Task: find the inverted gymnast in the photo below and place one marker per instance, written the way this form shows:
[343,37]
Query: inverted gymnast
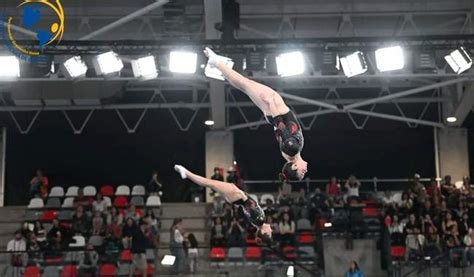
[287,128]
[232,194]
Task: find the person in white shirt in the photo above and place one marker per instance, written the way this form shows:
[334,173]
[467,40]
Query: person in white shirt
[18,246]
[287,230]
[352,185]
[100,204]
[176,245]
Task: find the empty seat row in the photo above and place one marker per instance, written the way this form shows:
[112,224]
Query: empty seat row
[92,191]
[72,271]
[254,253]
[119,202]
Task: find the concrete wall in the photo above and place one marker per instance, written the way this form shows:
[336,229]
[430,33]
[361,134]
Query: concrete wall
[453,152]
[219,152]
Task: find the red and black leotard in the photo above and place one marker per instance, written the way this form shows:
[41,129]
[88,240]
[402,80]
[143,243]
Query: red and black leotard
[251,210]
[287,127]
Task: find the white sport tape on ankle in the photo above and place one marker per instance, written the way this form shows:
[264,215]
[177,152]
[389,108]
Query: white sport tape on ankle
[212,72]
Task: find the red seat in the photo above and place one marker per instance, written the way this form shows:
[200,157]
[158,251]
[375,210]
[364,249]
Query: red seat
[53,261]
[253,253]
[289,252]
[121,202]
[107,190]
[32,271]
[305,238]
[126,256]
[217,254]
[398,251]
[108,270]
[370,212]
[69,271]
[49,215]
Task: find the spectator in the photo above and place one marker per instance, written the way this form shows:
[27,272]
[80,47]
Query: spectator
[139,245]
[154,186]
[354,270]
[449,224]
[396,230]
[405,204]
[453,243]
[25,230]
[286,188]
[16,245]
[81,200]
[154,225]
[275,227]
[97,224]
[352,185]
[176,245]
[56,236]
[127,232]
[235,234]
[34,250]
[114,229]
[432,244]
[228,213]
[218,233]
[419,190]
[333,188]
[39,231]
[231,175]
[270,209]
[193,253]
[111,248]
[414,240]
[432,188]
[217,175]
[133,213]
[299,206]
[469,242]
[466,186]
[319,204]
[218,205]
[284,199]
[39,185]
[447,187]
[287,230]
[464,224]
[114,215]
[88,260]
[100,204]
[80,222]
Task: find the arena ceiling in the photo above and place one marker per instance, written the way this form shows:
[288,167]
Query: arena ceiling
[319,28]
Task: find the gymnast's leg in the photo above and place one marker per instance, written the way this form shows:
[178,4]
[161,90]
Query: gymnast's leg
[265,98]
[230,192]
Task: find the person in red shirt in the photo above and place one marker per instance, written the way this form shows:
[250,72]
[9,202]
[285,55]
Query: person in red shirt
[39,185]
[333,188]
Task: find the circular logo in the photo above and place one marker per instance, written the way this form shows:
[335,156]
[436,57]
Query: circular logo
[42,19]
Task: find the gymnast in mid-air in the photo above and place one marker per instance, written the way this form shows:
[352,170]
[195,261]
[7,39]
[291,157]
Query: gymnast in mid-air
[250,209]
[287,128]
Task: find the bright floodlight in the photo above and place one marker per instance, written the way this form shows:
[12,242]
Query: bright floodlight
[209,122]
[354,64]
[459,60]
[290,64]
[390,58]
[9,67]
[107,63]
[75,67]
[168,260]
[145,68]
[451,119]
[290,272]
[183,62]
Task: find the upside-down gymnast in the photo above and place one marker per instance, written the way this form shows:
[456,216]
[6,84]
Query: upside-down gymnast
[232,194]
[287,128]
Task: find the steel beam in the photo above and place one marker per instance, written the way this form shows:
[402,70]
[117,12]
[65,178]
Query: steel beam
[464,106]
[309,101]
[396,118]
[125,19]
[403,93]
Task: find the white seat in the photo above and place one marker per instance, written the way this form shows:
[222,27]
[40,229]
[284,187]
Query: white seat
[254,197]
[90,191]
[36,203]
[264,197]
[72,191]
[56,192]
[153,201]
[68,202]
[122,191]
[138,190]
[80,241]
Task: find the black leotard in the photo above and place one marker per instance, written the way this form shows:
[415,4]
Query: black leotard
[252,211]
[287,126]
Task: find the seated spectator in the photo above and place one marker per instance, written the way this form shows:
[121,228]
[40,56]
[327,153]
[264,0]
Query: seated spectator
[428,209]
[134,213]
[218,233]
[39,185]
[275,227]
[97,224]
[466,186]
[34,250]
[127,232]
[406,204]
[154,225]
[57,236]
[447,187]
[432,242]
[39,231]
[218,205]
[88,261]
[114,215]
[443,209]
[154,187]
[16,245]
[449,224]
[414,239]
[460,210]
[114,229]
[25,230]
[333,188]
[464,224]
[469,242]
[270,209]
[111,248]
[352,185]
[396,230]
[228,213]
[287,230]
[432,189]
[81,222]
[319,204]
[235,234]
[454,246]
[99,204]
[299,205]
[81,200]
[140,243]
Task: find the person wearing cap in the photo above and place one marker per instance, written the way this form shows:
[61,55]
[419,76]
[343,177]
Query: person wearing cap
[140,243]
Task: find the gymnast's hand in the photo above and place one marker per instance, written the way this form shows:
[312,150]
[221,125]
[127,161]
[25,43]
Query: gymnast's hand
[214,59]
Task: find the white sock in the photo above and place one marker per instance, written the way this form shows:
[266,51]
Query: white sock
[181,170]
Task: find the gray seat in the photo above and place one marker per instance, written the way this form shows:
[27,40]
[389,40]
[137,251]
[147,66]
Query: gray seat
[235,254]
[32,216]
[65,215]
[71,257]
[50,271]
[150,254]
[53,203]
[123,269]
[96,241]
[303,224]
[306,253]
[137,201]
